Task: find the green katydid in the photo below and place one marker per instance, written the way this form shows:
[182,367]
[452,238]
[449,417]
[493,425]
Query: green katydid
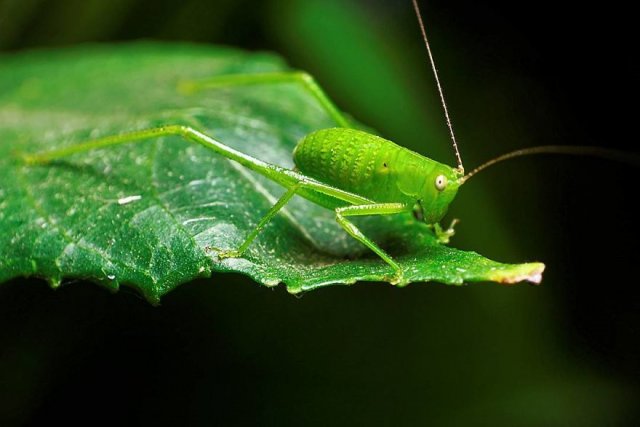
[344,169]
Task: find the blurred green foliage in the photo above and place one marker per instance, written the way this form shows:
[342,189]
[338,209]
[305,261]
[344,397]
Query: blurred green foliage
[224,350]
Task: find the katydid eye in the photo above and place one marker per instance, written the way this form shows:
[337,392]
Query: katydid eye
[441,182]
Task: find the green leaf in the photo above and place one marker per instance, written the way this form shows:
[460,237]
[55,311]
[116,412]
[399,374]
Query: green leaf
[144,214]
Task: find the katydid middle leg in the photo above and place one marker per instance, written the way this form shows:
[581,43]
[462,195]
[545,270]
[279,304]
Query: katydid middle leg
[236,253]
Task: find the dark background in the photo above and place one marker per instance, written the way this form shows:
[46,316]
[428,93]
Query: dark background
[228,351]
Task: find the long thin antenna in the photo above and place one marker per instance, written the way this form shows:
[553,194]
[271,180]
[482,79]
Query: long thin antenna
[608,153]
[435,73]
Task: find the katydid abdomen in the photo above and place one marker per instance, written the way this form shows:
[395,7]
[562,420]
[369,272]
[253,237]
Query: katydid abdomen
[349,159]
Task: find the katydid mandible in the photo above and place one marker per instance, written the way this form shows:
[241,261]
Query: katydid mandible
[349,171]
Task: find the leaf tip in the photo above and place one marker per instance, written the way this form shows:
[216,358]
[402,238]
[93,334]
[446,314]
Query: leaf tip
[530,272]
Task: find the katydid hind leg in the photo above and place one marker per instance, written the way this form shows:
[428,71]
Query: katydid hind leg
[277,174]
[283,176]
[305,80]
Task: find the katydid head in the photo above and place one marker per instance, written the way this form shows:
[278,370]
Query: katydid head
[438,191]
